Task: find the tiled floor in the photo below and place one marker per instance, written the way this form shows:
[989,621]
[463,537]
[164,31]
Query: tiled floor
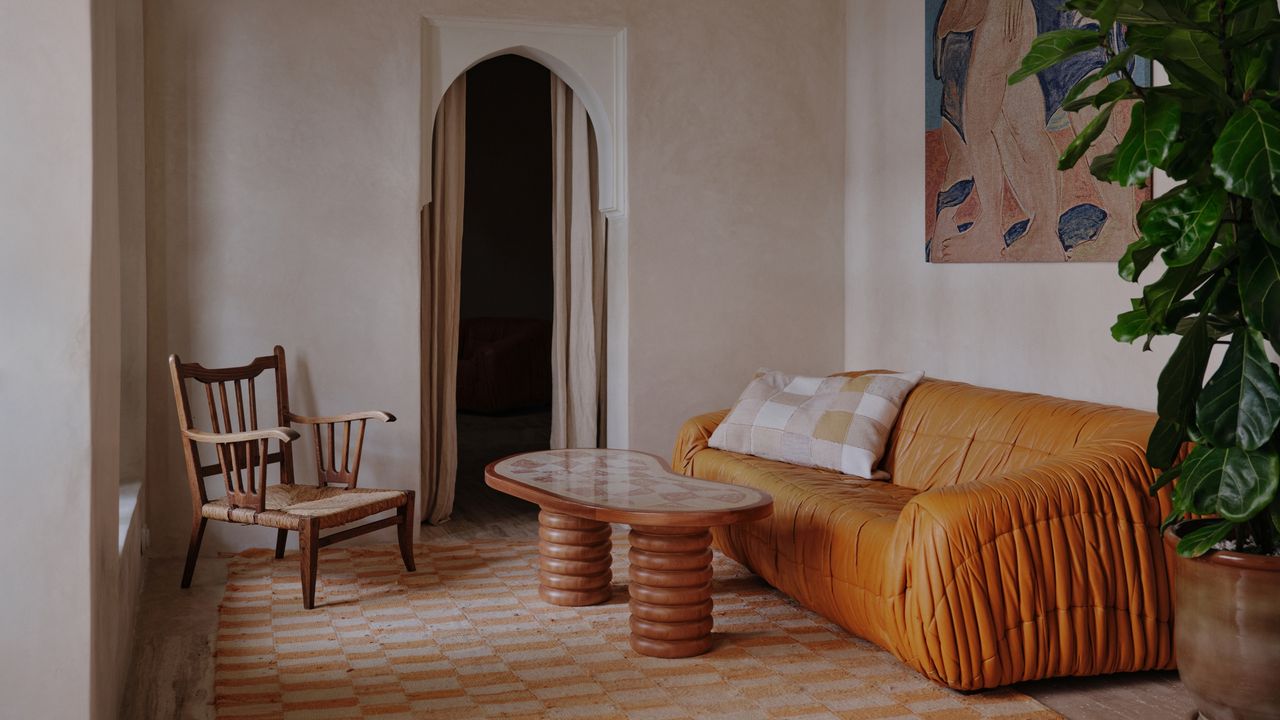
[172,675]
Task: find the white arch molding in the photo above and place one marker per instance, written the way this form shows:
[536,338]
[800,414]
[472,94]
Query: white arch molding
[591,61]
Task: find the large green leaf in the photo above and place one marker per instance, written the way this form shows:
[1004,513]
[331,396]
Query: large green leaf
[1104,11]
[1202,539]
[1152,130]
[1233,483]
[1187,52]
[1255,32]
[1194,48]
[1196,492]
[1181,73]
[1260,288]
[1180,380]
[1116,90]
[1100,166]
[1190,156]
[1071,102]
[1166,440]
[1154,12]
[1249,17]
[1235,6]
[1165,478]
[1247,482]
[1187,44]
[1136,258]
[1081,143]
[1253,72]
[1158,297]
[1240,405]
[1131,325]
[1053,47]
[1183,222]
[1247,154]
[1266,215]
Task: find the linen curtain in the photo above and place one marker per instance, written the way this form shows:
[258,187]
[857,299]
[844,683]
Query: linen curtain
[578,256]
[441,300]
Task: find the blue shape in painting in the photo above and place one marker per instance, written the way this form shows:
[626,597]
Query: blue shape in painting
[964,227]
[1080,224]
[1016,231]
[932,83]
[952,68]
[1057,80]
[953,196]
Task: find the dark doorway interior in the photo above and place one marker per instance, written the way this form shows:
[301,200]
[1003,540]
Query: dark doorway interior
[504,364]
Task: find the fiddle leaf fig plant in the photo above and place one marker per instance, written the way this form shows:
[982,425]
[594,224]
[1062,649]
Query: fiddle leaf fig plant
[1215,130]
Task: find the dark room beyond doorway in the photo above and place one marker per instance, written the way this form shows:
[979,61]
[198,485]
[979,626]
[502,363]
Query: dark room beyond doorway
[504,363]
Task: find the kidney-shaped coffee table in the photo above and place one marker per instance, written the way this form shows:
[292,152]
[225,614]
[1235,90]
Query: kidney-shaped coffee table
[582,491]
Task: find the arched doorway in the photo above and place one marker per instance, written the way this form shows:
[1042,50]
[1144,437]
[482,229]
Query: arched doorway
[513,274]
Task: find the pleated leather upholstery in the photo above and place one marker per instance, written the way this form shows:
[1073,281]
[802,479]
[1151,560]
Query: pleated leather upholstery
[1014,541]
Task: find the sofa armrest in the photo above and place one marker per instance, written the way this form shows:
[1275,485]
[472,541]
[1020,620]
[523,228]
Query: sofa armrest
[693,438]
[1037,572]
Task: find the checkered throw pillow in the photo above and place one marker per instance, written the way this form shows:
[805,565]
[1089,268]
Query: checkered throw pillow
[839,423]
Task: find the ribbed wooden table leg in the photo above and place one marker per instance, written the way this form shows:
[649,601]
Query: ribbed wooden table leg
[575,560]
[670,591]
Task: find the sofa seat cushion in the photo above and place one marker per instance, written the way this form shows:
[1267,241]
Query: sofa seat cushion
[829,538]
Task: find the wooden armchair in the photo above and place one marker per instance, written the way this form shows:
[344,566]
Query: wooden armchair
[243,454]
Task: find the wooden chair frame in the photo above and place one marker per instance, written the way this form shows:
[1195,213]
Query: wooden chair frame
[244,454]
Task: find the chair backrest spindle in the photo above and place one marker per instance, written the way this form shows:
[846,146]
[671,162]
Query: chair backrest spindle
[243,464]
[334,466]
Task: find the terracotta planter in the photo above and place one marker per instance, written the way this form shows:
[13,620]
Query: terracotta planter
[1227,632]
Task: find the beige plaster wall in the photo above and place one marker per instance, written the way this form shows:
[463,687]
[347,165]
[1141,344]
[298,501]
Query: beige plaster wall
[283,148]
[116,332]
[46,179]
[1036,327]
[124,288]
[105,296]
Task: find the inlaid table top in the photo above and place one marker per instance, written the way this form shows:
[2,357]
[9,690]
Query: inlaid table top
[624,486]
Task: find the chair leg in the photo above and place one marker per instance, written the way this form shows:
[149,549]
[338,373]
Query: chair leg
[193,550]
[405,532]
[282,536]
[309,551]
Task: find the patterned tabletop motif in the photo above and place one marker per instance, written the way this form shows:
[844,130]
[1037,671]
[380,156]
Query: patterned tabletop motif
[623,480]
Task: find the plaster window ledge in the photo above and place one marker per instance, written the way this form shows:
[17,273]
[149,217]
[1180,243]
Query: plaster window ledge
[129,492]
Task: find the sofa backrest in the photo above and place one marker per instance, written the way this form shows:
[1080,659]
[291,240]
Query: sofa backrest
[949,433]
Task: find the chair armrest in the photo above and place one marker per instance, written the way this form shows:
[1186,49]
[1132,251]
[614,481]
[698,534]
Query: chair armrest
[242,462]
[334,466]
[1065,555]
[283,434]
[349,417]
[693,438]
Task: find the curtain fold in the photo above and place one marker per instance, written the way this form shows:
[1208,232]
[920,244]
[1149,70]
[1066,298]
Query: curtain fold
[578,257]
[441,300]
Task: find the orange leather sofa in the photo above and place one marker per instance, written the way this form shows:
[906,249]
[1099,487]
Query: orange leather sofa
[1015,540]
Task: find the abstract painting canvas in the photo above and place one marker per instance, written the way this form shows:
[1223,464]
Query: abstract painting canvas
[992,185]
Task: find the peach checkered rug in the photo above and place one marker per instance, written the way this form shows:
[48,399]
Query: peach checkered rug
[467,637]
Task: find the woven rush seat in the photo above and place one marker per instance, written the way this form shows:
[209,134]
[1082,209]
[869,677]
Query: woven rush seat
[289,506]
